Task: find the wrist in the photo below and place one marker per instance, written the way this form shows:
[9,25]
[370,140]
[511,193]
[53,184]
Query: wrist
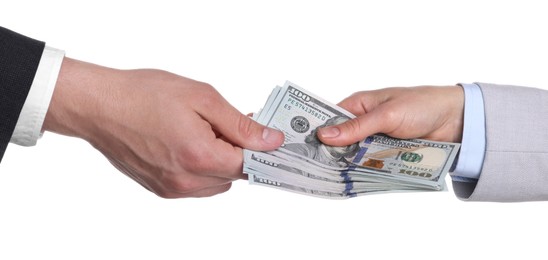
[76,103]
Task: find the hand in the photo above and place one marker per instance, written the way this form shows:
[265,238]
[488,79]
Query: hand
[427,112]
[175,136]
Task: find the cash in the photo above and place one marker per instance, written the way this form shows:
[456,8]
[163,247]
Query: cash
[303,164]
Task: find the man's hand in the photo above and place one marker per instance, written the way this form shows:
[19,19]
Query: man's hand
[175,136]
[434,113]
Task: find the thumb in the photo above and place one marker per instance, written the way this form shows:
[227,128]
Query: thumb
[243,131]
[351,131]
[254,136]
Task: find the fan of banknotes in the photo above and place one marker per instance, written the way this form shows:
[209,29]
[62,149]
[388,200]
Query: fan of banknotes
[305,165]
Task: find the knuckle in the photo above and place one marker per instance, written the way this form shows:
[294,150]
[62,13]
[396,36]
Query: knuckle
[391,119]
[245,127]
[354,127]
[162,191]
[196,160]
[179,186]
[206,87]
[391,115]
[185,186]
[356,101]
[208,95]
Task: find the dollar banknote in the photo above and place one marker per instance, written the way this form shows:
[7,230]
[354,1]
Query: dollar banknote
[304,161]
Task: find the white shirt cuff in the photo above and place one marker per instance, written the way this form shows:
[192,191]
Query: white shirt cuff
[472,149]
[29,125]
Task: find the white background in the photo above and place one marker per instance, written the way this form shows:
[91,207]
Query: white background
[62,200]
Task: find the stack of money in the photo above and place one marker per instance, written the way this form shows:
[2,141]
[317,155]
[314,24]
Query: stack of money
[303,164]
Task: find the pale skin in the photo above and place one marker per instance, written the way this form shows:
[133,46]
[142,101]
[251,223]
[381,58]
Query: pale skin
[427,112]
[175,136]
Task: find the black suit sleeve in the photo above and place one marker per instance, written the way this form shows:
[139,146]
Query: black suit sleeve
[19,58]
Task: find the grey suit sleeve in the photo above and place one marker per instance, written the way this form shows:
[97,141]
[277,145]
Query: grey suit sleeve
[515,167]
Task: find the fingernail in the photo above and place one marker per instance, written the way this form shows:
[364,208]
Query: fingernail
[271,136]
[330,132]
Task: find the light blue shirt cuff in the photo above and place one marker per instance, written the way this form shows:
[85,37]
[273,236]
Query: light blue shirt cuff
[472,150]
